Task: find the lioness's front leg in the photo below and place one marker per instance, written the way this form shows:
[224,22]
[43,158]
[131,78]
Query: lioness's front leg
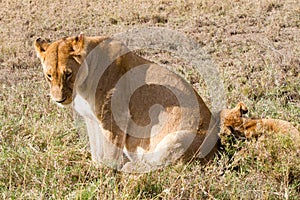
[113,143]
[105,146]
[95,136]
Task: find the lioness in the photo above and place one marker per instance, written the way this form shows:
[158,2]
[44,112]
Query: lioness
[135,111]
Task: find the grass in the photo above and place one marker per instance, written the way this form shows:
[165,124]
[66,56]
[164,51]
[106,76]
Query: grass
[43,153]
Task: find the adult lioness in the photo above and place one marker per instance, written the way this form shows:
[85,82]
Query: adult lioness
[137,113]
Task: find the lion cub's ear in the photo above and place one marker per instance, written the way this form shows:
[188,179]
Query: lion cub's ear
[40,46]
[242,108]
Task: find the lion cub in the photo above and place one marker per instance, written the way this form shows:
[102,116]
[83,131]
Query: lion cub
[233,121]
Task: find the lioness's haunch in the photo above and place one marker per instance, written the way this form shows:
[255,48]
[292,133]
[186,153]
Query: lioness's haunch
[139,115]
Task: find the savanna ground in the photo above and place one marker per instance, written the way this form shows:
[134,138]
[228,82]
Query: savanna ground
[255,44]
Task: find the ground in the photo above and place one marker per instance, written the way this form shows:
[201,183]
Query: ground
[254,44]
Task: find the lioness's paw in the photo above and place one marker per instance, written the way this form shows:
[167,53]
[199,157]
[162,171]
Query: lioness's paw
[136,167]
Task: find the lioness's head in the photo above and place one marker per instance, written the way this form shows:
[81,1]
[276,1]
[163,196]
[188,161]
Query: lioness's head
[61,61]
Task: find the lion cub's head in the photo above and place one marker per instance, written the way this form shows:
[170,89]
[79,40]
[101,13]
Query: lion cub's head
[232,119]
[61,61]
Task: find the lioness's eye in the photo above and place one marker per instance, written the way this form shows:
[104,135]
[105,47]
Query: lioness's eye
[49,76]
[68,74]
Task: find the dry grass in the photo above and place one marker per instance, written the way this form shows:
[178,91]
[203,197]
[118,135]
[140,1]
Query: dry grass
[256,44]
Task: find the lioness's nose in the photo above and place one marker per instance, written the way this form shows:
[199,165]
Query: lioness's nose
[57,94]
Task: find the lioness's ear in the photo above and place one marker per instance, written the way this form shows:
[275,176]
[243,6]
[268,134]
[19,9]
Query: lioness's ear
[40,46]
[78,44]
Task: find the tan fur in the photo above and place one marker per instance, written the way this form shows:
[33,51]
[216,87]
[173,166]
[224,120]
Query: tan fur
[62,60]
[232,120]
